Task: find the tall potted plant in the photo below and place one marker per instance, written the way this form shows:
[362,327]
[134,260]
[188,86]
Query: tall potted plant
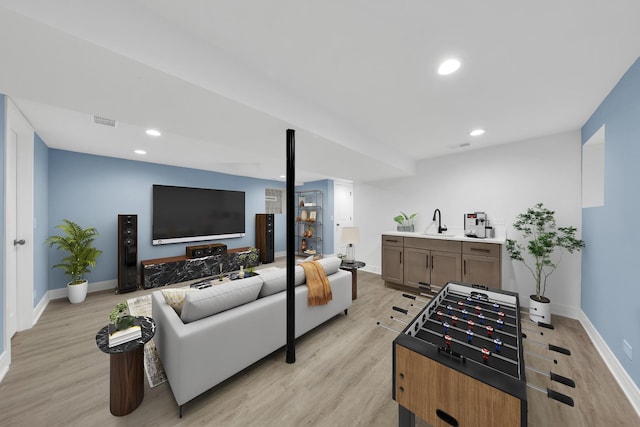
[546,243]
[78,242]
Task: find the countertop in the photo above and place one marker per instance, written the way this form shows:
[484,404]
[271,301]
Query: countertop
[455,235]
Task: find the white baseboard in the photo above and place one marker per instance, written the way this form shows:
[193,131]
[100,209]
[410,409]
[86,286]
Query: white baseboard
[42,305]
[5,361]
[629,387]
[93,287]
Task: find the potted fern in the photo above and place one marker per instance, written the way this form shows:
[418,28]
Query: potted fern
[78,242]
[545,243]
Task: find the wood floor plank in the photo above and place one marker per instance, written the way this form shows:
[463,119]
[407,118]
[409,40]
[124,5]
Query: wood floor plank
[342,375]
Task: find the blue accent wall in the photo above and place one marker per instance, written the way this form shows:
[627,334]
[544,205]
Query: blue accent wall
[610,290]
[3,121]
[40,232]
[92,190]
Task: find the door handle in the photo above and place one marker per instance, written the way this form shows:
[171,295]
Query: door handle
[19,242]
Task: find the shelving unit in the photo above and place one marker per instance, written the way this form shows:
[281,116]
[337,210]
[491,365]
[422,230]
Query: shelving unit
[309,219]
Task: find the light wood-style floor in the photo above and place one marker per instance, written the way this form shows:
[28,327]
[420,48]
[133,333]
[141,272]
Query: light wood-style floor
[342,376]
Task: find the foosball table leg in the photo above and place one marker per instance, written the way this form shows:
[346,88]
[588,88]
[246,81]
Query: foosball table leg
[406,418]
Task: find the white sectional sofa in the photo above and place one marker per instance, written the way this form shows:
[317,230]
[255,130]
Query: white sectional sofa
[208,349]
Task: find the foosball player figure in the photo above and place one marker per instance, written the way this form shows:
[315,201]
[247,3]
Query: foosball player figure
[439,314]
[460,304]
[464,313]
[447,341]
[481,318]
[449,308]
[446,327]
[470,323]
[469,300]
[485,354]
[498,344]
[454,319]
[489,330]
[501,315]
[469,335]
[500,323]
[478,309]
[496,307]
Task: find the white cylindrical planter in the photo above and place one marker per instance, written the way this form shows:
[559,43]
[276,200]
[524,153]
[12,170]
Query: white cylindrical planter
[540,311]
[77,293]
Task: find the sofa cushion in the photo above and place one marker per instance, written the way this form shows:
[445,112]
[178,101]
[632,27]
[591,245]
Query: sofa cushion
[213,300]
[330,264]
[175,297]
[276,281]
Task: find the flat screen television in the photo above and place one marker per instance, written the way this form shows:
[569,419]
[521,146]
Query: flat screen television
[182,214]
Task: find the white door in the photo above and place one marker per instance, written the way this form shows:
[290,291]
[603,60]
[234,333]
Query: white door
[343,212]
[18,225]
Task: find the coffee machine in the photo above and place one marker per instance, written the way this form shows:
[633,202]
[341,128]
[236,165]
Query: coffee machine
[476,224]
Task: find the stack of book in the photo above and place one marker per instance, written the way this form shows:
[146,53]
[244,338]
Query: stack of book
[117,337]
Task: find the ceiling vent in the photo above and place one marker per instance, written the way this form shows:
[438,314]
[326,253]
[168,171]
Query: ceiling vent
[104,121]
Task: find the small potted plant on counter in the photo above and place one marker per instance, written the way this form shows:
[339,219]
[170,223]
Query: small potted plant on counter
[545,243]
[405,222]
[77,241]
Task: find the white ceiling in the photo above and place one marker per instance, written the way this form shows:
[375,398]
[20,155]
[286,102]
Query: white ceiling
[223,80]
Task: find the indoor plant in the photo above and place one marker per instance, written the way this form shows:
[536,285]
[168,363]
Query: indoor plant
[77,241]
[405,222]
[546,243]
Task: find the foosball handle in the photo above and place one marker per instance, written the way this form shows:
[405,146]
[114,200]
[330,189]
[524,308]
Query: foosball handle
[413,297]
[560,349]
[424,286]
[545,325]
[401,310]
[563,380]
[559,397]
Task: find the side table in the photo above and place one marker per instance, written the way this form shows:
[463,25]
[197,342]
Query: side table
[127,367]
[353,268]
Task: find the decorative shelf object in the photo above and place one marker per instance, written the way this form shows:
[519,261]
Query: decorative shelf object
[309,223]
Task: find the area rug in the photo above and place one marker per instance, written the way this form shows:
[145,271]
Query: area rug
[141,306]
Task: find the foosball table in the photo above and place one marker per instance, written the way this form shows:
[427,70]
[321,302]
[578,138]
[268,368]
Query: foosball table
[460,361]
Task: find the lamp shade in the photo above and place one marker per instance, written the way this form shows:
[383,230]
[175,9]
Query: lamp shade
[350,235]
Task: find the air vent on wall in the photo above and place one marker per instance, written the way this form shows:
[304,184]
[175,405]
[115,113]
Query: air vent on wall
[104,121]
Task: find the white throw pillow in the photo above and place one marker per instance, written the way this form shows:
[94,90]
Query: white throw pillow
[213,300]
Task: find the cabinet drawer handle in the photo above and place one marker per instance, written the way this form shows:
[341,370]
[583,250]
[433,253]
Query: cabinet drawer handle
[447,418]
[481,250]
[464,267]
[390,240]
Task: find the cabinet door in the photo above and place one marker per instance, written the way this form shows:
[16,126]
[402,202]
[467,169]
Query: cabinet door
[416,266]
[445,267]
[480,270]
[392,262]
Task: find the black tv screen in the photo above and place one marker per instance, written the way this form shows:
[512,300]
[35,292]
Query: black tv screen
[182,214]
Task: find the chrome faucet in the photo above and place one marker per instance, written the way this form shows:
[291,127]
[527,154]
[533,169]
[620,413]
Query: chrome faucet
[440,227]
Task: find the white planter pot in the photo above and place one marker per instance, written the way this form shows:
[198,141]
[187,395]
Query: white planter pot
[77,293]
[539,311]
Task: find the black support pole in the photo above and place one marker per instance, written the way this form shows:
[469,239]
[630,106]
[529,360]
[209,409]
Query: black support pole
[291,246]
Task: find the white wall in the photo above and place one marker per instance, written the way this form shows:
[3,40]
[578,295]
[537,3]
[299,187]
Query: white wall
[502,181]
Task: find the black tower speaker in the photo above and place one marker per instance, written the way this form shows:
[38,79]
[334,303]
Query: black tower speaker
[127,253]
[265,237]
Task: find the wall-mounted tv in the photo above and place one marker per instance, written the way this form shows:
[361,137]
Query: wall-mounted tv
[182,214]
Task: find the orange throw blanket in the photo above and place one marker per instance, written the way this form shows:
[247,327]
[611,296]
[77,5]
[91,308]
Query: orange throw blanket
[317,283]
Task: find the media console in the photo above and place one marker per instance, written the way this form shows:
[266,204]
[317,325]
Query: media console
[166,271]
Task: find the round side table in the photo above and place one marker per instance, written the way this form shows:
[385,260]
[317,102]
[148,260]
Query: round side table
[127,367]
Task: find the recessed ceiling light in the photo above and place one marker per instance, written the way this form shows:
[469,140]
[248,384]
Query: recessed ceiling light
[283,176]
[476,132]
[153,132]
[141,152]
[449,66]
